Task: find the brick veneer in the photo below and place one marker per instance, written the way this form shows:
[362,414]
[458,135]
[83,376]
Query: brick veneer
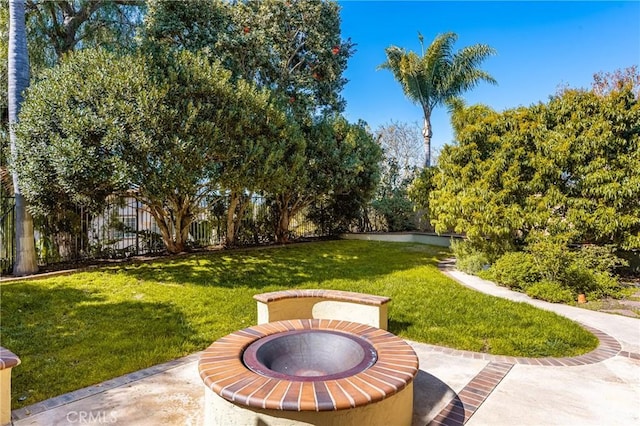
[222,370]
[345,296]
[608,348]
[8,359]
[465,404]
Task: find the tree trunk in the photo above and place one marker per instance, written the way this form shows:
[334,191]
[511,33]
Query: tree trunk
[427,134]
[65,246]
[25,262]
[230,238]
[159,215]
[181,234]
[282,233]
[171,227]
[182,222]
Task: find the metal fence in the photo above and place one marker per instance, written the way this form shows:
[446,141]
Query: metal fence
[7,237]
[126,228]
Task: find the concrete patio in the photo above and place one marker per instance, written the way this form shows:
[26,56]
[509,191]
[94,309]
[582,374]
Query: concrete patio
[453,387]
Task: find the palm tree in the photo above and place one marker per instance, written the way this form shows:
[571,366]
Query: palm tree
[437,77]
[18,79]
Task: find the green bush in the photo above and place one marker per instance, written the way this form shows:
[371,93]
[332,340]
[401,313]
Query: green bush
[588,269]
[397,210]
[600,258]
[552,256]
[468,259]
[550,291]
[606,285]
[516,270]
[591,272]
[472,264]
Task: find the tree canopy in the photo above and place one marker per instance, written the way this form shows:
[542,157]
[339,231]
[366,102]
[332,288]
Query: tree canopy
[156,124]
[293,48]
[211,98]
[568,169]
[438,76]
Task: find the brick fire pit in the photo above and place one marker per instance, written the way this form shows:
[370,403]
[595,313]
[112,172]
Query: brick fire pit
[368,390]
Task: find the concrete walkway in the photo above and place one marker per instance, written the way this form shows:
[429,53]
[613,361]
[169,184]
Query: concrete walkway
[452,388]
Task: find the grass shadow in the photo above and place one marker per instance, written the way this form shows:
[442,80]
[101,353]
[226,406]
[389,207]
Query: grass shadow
[288,266]
[398,326]
[68,338]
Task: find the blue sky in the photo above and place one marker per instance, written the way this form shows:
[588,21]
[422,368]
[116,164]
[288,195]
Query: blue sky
[541,45]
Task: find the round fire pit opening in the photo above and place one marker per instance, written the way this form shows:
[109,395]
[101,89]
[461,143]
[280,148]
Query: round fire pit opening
[309,355]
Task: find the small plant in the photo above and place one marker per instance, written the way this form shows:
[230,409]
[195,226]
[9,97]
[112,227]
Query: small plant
[516,270]
[551,256]
[550,291]
[468,258]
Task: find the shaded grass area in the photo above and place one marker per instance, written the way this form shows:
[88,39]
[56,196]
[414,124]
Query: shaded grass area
[77,330]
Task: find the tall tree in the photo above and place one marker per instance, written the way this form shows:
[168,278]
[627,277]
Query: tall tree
[342,163]
[438,76]
[402,145]
[61,26]
[568,170]
[294,49]
[154,124]
[55,28]
[18,80]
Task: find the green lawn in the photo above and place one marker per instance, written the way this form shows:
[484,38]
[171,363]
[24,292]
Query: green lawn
[77,330]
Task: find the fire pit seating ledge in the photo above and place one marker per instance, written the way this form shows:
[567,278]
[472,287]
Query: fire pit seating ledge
[323,304]
[8,360]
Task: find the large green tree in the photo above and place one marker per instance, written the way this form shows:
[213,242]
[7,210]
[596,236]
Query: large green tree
[341,168]
[257,161]
[62,26]
[154,124]
[568,169]
[55,28]
[295,50]
[438,76]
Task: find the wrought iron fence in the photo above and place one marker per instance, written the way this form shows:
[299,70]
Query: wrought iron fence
[7,237]
[126,228]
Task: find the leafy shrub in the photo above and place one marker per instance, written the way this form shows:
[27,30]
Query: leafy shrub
[472,264]
[606,285]
[397,210]
[550,291]
[587,270]
[551,256]
[468,259]
[591,272]
[516,270]
[594,284]
[599,258]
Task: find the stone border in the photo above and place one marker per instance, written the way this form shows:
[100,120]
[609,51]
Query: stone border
[8,359]
[471,397]
[344,296]
[608,348]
